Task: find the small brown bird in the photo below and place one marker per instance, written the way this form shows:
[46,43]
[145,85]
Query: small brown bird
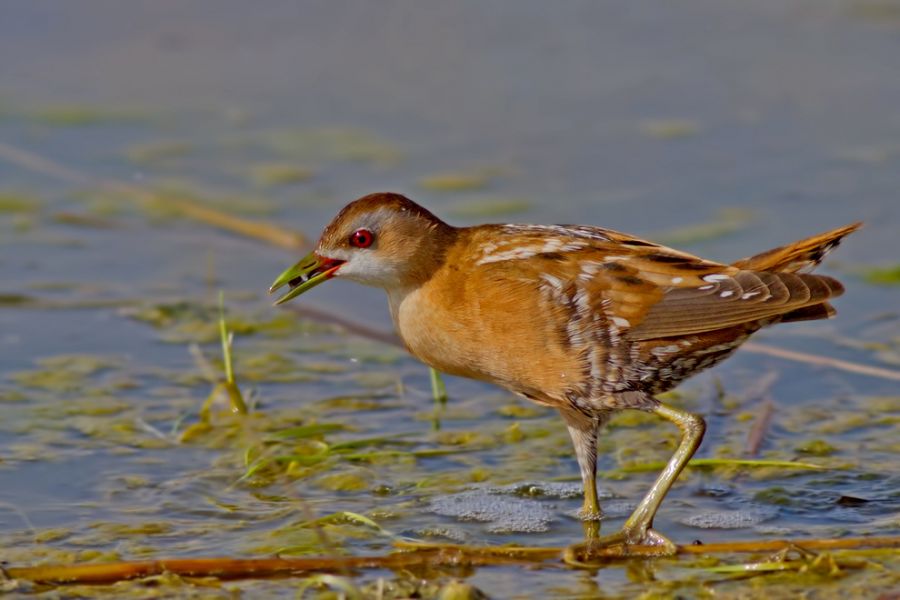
[582,319]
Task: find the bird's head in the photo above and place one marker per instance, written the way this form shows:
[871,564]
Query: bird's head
[384,240]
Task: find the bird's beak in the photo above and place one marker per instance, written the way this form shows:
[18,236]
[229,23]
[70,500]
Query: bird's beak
[306,274]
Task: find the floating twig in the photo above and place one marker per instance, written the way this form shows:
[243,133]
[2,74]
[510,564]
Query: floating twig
[699,463]
[267,232]
[351,327]
[760,427]
[822,361]
[412,554]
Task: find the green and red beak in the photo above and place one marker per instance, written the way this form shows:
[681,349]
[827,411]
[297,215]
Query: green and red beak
[305,275]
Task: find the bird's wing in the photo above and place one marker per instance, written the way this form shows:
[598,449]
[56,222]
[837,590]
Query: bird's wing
[646,290]
[731,298]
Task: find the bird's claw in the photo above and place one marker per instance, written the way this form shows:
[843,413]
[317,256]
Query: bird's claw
[622,544]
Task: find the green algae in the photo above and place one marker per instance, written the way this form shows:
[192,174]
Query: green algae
[84,115]
[274,174]
[728,222]
[725,462]
[520,411]
[489,208]
[344,587]
[133,529]
[186,321]
[323,433]
[888,275]
[158,153]
[669,129]
[345,481]
[456,182]
[816,448]
[885,12]
[64,372]
[12,202]
[326,144]
[170,194]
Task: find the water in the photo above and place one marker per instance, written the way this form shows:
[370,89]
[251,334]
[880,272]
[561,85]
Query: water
[645,117]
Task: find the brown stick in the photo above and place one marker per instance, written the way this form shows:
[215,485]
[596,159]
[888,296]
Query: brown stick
[822,361]
[761,424]
[809,544]
[232,568]
[364,331]
[433,555]
[267,232]
[760,427]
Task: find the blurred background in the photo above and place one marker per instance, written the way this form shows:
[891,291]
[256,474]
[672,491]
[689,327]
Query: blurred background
[724,128]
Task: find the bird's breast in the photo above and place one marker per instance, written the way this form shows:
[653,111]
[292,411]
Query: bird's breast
[430,333]
[490,333]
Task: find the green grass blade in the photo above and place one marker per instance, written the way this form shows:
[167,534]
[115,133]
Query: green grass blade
[438,389]
[726,462]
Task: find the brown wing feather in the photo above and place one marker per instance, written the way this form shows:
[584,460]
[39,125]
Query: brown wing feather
[802,255]
[742,297]
[752,289]
[657,292]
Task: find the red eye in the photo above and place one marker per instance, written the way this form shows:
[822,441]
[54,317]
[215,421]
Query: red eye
[362,238]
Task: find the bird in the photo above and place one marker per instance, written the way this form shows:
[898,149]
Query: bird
[583,319]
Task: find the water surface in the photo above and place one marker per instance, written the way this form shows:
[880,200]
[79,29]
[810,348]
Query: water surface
[759,122]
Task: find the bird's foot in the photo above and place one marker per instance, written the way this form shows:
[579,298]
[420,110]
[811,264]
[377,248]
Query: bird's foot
[622,544]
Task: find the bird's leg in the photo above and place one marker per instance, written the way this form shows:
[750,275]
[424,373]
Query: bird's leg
[583,430]
[638,528]
[692,429]
[586,451]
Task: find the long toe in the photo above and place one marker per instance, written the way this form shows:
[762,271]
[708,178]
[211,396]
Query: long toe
[622,544]
[655,539]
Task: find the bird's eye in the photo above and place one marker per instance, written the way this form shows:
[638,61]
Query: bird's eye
[362,238]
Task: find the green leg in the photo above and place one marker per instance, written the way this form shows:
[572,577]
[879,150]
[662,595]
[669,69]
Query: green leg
[692,429]
[638,528]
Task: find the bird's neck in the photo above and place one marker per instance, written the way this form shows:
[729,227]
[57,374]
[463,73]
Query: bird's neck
[437,253]
[430,256]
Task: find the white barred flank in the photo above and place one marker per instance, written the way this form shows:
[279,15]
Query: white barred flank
[576,231]
[516,253]
[492,252]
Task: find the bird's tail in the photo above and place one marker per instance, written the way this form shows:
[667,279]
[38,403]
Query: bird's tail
[801,256]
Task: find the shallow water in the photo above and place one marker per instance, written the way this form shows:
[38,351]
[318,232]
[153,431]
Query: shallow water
[727,128]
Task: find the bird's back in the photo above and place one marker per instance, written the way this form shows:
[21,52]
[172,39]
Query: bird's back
[610,314]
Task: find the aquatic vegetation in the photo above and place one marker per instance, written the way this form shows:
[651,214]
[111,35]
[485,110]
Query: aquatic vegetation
[158,152]
[488,208]
[669,129]
[83,115]
[13,202]
[279,173]
[196,431]
[327,144]
[883,275]
[457,182]
[728,221]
